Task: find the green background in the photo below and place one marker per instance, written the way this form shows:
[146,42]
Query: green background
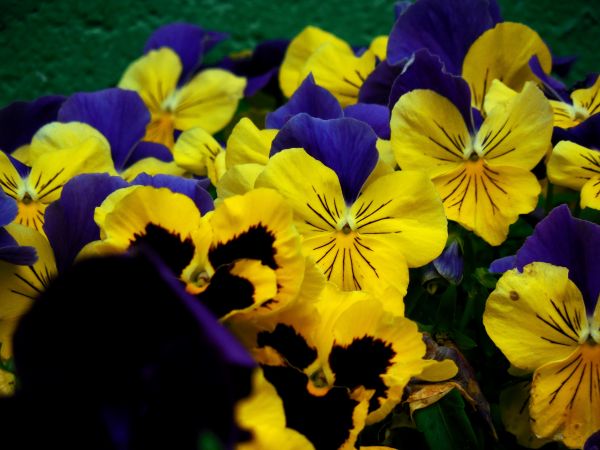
[66,46]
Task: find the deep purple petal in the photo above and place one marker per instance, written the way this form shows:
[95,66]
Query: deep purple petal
[593,442]
[345,145]
[187,186]
[503,264]
[553,87]
[400,7]
[150,150]
[310,99]
[8,209]
[189,41]
[120,115]
[426,71]
[450,263]
[563,240]
[494,10]
[562,65]
[256,83]
[69,222]
[19,121]
[377,86]
[377,116]
[587,133]
[11,252]
[21,168]
[446,28]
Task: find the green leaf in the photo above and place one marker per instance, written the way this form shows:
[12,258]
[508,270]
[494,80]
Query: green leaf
[445,424]
[446,309]
[485,278]
[208,441]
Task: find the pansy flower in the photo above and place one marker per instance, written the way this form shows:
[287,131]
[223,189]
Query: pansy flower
[545,317]
[176,99]
[481,172]
[363,232]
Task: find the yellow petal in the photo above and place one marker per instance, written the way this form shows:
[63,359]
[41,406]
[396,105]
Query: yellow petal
[298,52]
[248,144]
[428,133]
[238,180]
[194,149]
[588,99]
[152,166]
[379,47]
[537,316]
[436,371]
[7,383]
[498,94]
[565,397]
[208,101]
[503,53]
[517,134]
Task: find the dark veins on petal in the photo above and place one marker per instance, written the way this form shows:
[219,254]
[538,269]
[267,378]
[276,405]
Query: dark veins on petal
[362,363]
[254,243]
[227,292]
[173,251]
[291,345]
[325,421]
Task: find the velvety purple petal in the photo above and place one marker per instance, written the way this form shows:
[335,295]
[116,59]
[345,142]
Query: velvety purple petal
[426,71]
[562,65]
[11,252]
[189,41]
[378,84]
[553,87]
[563,240]
[69,222]
[256,83]
[19,121]
[446,28]
[377,116]
[400,7]
[21,168]
[308,98]
[587,133]
[345,145]
[450,263]
[120,115]
[186,186]
[494,10]
[477,118]
[503,264]
[8,209]
[149,150]
[593,442]
[134,346]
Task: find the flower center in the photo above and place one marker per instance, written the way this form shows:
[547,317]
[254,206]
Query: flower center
[346,229]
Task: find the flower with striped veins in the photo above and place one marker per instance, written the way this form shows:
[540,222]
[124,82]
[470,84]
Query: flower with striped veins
[544,315]
[483,175]
[363,230]
[57,153]
[583,104]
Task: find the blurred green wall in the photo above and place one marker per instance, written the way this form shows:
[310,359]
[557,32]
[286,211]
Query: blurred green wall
[65,46]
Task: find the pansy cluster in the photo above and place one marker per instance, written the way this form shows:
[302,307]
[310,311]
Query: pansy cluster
[309,245]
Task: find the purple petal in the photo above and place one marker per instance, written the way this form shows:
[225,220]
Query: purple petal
[187,186]
[13,253]
[149,150]
[553,86]
[563,240]
[400,7]
[21,168]
[69,222]
[377,86]
[562,65]
[310,99]
[426,71]
[446,28]
[377,116]
[120,115]
[19,121]
[8,209]
[345,145]
[503,264]
[587,133]
[593,442]
[450,263]
[189,41]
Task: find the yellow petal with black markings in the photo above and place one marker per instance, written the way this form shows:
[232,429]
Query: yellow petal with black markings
[537,316]
[247,144]
[208,100]
[514,410]
[565,397]
[518,133]
[263,415]
[572,165]
[503,53]
[379,47]
[566,115]
[487,200]
[259,225]
[238,180]
[20,285]
[339,71]
[300,49]
[194,149]
[587,100]
[154,77]
[428,133]
[10,180]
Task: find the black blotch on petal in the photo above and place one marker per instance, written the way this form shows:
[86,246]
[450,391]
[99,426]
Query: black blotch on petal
[255,243]
[361,364]
[170,248]
[325,421]
[227,292]
[289,344]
